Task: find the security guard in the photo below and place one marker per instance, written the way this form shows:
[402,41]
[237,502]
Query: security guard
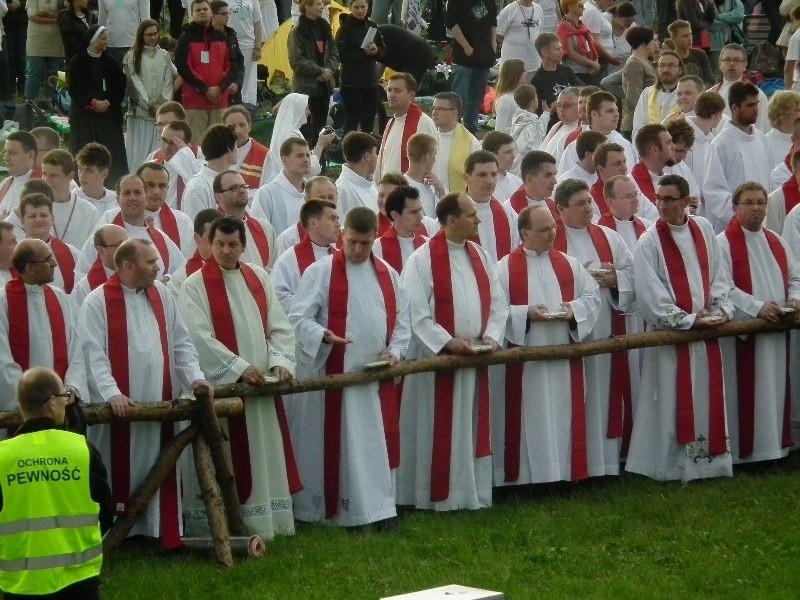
[54,500]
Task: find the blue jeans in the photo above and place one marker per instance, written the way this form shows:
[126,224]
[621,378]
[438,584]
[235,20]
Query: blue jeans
[381,9]
[470,85]
[39,70]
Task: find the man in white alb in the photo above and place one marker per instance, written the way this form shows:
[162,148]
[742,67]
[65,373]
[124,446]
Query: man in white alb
[355,184]
[279,201]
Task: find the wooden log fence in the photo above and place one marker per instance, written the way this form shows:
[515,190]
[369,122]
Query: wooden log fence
[212,462]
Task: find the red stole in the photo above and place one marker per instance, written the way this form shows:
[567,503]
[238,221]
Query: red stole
[620,406]
[253,164]
[157,238]
[608,220]
[117,330]
[519,202]
[641,175]
[573,135]
[599,196]
[169,224]
[518,295]
[502,231]
[66,262]
[304,253]
[791,194]
[445,380]
[409,128]
[180,184]
[684,414]
[259,239]
[390,247]
[96,275]
[18,326]
[746,349]
[384,224]
[337,323]
[195,263]
[225,332]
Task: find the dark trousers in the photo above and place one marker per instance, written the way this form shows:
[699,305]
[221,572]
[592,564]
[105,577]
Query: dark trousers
[667,13]
[360,108]
[770,8]
[318,105]
[88,589]
[14,46]
[176,15]
[4,87]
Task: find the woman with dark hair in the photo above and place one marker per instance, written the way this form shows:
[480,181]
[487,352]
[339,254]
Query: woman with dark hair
[97,86]
[638,72]
[148,70]
[621,17]
[73,22]
[359,85]
[314,59]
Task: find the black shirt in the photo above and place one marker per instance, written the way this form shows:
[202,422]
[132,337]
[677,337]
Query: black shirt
[549,84]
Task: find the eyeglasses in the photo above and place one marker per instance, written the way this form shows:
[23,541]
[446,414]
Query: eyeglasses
[440,108]
[759,203]
[666,199]
[732,60]
[565,106]
[237,188]
[66,396]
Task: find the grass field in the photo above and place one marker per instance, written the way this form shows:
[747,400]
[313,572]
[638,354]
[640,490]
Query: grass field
[631,538]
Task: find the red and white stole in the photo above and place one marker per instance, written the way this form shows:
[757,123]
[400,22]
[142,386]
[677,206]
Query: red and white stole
[791,194]
[225,333]
[19,332]
[608,220]
[519,202]
[253,164]
[746,348]
[195,263]
[117,343]
[502,230]
[390,247]
[96,275]
[599,196]
[337,323]
[620,406]
[304,253]
[169,224]
[444,315]
[679,281]
[518,295]
[259,239]
[641,175]
[5,186]
[409,128]
[66,262]
[157,238]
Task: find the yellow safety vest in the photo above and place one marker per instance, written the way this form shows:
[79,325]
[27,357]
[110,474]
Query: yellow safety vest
[49,524]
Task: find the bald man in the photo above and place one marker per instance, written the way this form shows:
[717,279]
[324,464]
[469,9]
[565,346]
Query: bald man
[106,240]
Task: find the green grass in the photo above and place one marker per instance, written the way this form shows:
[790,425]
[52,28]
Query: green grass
[632,538]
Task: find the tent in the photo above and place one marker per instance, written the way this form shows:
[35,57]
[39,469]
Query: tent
[275,51]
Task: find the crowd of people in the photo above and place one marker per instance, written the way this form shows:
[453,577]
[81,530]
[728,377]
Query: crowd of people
[216,259]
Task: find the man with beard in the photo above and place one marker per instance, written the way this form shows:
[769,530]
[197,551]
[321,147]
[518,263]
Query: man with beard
[659,100]
[732,65]
[739,153]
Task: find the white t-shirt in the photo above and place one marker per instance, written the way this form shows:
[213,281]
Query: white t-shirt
[793,53]
[244,14]
[520,26]
[595,22]
[551,14]
[620,48]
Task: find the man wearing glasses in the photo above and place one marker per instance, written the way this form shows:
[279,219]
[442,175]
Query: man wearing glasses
[36,324]
[732,65]
[679,432]
[230,192]
[456,143]
[55,479]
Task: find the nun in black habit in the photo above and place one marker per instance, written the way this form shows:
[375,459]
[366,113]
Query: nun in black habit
[96,85]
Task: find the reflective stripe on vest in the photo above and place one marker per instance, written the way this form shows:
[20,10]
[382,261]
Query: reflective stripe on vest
[49,524]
